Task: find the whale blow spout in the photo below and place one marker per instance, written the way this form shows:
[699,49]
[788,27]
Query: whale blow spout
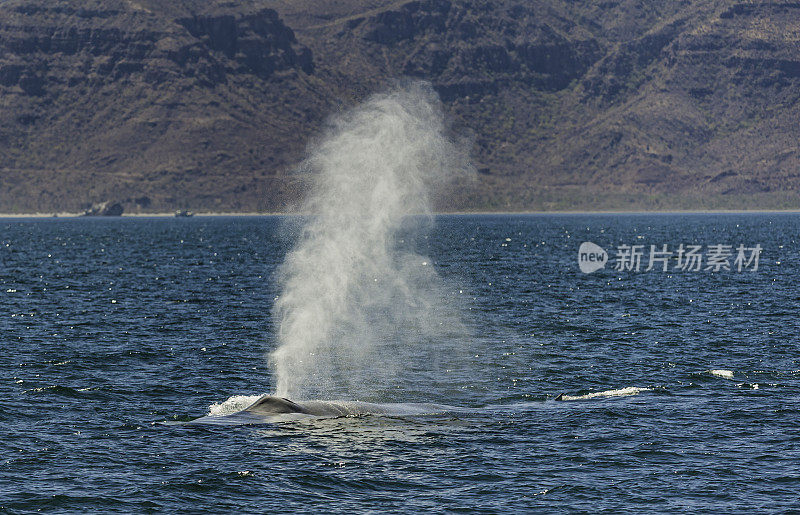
[356,298]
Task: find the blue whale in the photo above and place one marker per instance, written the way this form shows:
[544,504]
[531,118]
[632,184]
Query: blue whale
[270,408]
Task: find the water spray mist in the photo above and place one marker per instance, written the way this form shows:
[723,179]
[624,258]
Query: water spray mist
[354,298]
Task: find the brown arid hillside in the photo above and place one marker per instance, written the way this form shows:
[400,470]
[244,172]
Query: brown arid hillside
[571,104]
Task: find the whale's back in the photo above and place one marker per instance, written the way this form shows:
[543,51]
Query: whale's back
[271,405]
[269,409]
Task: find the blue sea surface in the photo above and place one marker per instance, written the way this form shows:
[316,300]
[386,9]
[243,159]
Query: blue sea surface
[681,388]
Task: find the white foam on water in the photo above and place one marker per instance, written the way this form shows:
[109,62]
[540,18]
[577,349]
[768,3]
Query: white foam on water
[621,392]
[232,405]
[718,372]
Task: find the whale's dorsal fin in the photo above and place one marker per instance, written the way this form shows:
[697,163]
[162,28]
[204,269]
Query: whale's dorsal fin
[269,404]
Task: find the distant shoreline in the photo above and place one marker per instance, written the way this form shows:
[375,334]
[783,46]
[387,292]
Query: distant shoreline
[128,215]
[453,213]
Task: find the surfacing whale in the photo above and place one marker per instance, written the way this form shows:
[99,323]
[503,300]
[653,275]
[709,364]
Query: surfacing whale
[269,408]
[271,405]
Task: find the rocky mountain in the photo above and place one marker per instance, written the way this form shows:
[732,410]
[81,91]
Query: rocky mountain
[572,104]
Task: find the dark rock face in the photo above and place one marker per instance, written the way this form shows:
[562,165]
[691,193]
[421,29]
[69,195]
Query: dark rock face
[258,43]
[475,48]
[81,46]
[408,21]
[105,209]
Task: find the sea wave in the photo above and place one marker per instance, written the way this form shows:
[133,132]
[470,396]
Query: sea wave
[621,392]
[718,372]
[232,405]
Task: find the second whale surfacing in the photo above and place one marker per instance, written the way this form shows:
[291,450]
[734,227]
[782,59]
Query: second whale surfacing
[269,408]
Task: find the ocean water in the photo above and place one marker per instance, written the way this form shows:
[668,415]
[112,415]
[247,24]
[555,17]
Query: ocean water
[681,388]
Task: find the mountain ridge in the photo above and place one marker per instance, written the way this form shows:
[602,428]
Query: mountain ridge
[572,105]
